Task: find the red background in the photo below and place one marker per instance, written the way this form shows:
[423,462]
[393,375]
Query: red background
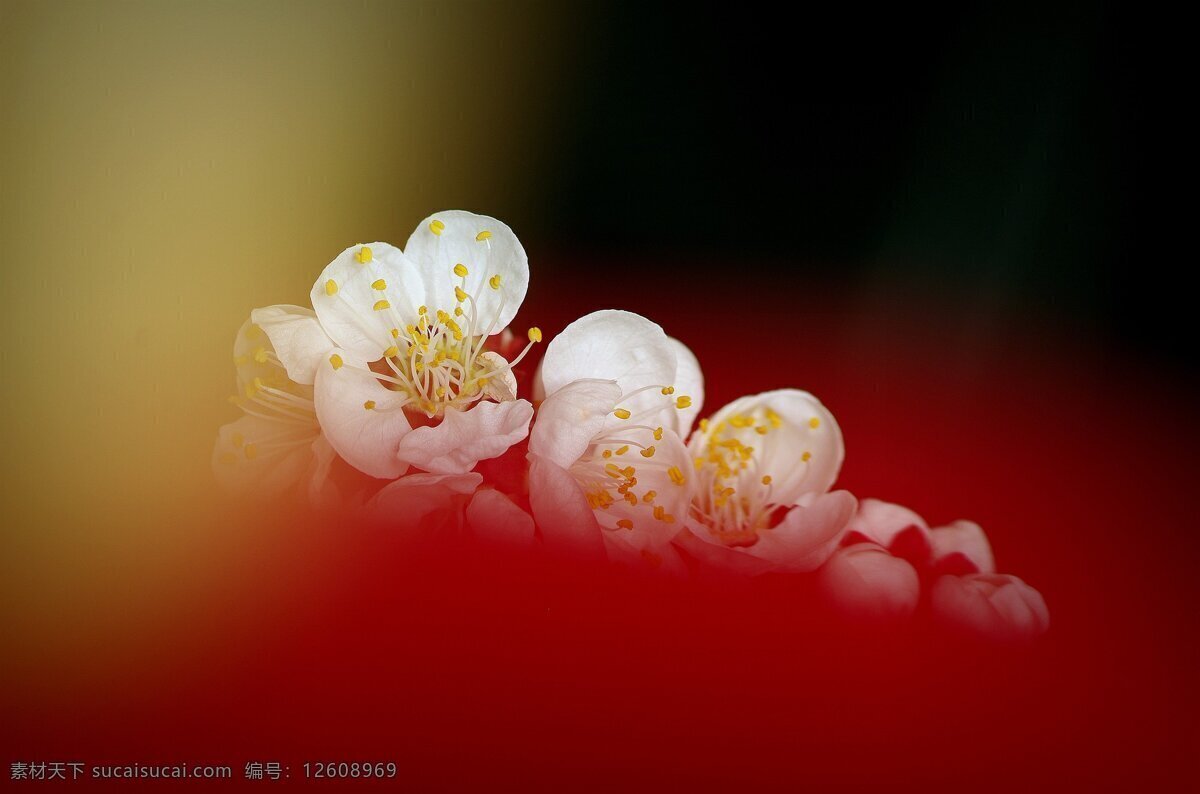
[311,641]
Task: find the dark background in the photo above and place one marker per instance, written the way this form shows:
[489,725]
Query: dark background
[979,160]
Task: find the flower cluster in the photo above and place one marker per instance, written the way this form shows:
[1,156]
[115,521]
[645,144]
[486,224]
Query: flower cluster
[404,369]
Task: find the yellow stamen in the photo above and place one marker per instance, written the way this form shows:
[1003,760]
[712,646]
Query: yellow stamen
[668,390]
[648,497]
[658,431]
[335,361]
[460,294]
[623,449]
[622,413]
[391,352]
[379,284]
[683,402]
[460,270]
[806,457]
[381,305]
[648,452]
[625,523]
[535,334]
[437,227]
[369,405]
[483,235]
[364,255]
[676,475]
[494,281]
[395,333]
[766,480]
[330,287]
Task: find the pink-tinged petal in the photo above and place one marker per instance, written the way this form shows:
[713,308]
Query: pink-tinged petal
[961,548]
[425,501]
[807,536]
[463,438]
[493,517]
[297,337]
[996,606]
[895,527]
[865,582]
[659,560]
[566,520]
[366,438]
[716,558]
[321,490]
[568,420]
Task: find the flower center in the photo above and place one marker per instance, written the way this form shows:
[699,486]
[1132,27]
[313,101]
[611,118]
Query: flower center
[733,495]
[608,472]
[440,361]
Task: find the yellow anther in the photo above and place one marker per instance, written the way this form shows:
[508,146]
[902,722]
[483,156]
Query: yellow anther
[369,405]
[625,523]
[381,305]
[535,335]
[668,390]
[251,451]
[437,227]
[391,352]
[766,480]
[648,452]
[460,294]
[422,310]
[814,423]
[683,402]
[260,355]
[629,471]
[481,382]
[494,281]
[460,270]
[631,498]
[658,431]
[806,457]
[773,418]
[483,235]
[622,413]
[613,470]
[623,449]
[737,420]
[703,425]
[238,439]
[379,284]
[607,453]
[364,255]
[331,287]
[395,333]
[660,512]
[441,391]
[335,361]
[761,430]
[648,497]
[458,312]
[676,475]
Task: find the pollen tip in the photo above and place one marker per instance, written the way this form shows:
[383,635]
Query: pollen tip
[364,255]
[461,271]
[437,227]
[335,361]
[622,413]
[483,235]
[331,287]
[535,334]
[369,405]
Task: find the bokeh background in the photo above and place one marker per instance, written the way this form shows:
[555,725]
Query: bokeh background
[926,211]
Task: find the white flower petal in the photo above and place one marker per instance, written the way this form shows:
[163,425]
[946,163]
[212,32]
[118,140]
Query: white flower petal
[797,425]
[568,525]
[568,420]
[463,438]
[689,380]
[359,317]
[486,248]
[260,456]
[995,606]
[865,582]
[297,338]
[367,439]
[620,346]
[494,517]
[962,547]
[501,387]
[807,536]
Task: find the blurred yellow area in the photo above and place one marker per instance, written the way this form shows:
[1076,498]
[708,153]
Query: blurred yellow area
[164,168]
